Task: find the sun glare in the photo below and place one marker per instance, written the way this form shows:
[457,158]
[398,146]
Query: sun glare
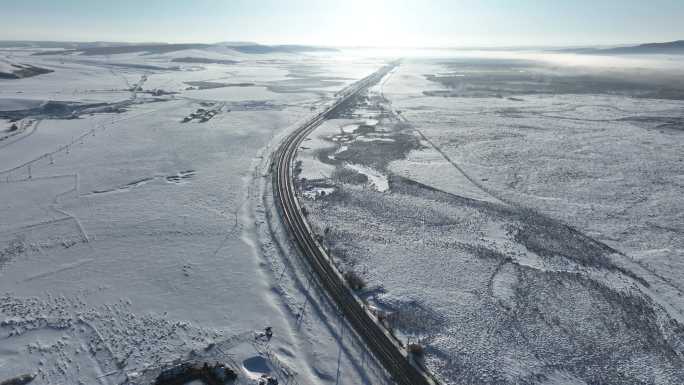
[368,23]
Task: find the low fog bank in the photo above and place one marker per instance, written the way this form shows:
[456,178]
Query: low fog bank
[645,69]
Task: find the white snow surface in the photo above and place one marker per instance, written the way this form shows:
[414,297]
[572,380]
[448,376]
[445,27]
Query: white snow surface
[376,179]
[129,239]
[524,237]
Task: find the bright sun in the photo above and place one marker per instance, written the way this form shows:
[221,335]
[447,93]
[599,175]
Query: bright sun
[368,23]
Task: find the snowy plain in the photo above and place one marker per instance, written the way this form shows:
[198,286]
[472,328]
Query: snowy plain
[531,228]
[130,239]
[519,215]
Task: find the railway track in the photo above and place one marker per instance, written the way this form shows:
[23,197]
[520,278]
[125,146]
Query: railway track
[389,352]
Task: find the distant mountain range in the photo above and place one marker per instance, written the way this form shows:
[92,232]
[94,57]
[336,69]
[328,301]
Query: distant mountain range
[63,44]
[287,48]
[669,48]
[112,48]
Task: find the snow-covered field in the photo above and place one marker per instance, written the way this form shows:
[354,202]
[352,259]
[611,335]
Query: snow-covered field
[129,238]
[520,219]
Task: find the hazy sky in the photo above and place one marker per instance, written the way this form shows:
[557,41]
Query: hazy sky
[349,23]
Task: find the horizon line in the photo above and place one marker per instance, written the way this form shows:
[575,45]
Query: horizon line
[344,46]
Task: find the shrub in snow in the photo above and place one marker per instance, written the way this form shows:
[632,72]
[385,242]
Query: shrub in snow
[354,280]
